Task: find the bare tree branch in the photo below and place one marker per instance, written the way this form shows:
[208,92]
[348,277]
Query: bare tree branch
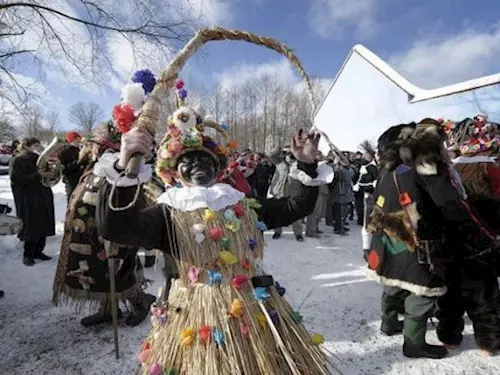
[86,116]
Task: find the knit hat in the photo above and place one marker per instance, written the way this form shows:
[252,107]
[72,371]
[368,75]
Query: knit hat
[71,136]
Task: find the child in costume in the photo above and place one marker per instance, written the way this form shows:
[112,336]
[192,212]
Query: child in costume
[224,314]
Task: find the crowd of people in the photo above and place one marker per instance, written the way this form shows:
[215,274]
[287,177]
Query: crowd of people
[424,199]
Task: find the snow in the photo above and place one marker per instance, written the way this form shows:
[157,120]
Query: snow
[324,279]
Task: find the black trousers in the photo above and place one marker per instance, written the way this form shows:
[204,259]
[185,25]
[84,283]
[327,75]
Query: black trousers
[337,216]
[359,201]
[33,248]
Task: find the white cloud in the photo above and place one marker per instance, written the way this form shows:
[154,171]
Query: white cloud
[438,62]
[330,18]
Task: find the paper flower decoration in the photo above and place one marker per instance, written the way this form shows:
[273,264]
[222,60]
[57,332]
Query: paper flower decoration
[214,277]
[216,233]
[236,309]
[317,339]
[244,329]
[146,78]
[225,243]
[205,333]
[124,117]
[261,318]
[187,336]
[228,258]
[297,317]
[252,244]
[229,215]
[144,355]
[219,337]
[179,85]
[155,369]
[239,210]
[134,94]
[198,228]
[234,225]
[239,281]
[182,94]
[273,314]
[208,215]
[253,203]
[245,263]
[261,294]
[261,226]
[174,147]
[193,274]
[281,290]
[184,118]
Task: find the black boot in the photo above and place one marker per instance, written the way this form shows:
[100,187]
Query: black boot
[2,293]
[276,236]
[299,238]
[414,345]
[140,310]
[149,261]
[100,317]
[42,256]
[27,261]
[391,307]
[449,331]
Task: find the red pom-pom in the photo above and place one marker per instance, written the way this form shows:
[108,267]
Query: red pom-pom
[124,117]
[179,85]
[239,210]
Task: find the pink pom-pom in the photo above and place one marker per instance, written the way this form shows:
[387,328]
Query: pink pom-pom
[179,85]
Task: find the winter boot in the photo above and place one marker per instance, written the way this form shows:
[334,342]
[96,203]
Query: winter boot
[414,344]
[2,293]
[102,316]
[276,236]
[299,238]
[391,307]
[449,331]
[140,309]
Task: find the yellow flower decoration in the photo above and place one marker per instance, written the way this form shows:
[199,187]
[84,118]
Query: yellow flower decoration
[208,215]
[228,259]
[317,339]
[187,336]
[236,309]
[261,318]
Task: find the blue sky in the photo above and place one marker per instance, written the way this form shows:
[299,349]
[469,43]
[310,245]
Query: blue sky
[431,42]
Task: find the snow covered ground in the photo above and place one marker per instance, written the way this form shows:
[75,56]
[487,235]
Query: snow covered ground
[324,280]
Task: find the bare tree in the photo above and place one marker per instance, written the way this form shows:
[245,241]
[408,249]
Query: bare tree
[53,122]
[82,40]
[32,121]
[86,116]
[8,132]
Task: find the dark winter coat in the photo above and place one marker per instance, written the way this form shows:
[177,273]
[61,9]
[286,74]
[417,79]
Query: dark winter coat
[436,209]
[72,170]
[34,202]
[152,228]
[368,175]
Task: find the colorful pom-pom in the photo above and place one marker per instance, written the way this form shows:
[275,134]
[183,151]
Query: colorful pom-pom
[187,336]
[182,94]
[239,281]
[208,215]
[124,117]
[146,78]
[179,84]
[261,294]
[134,94]
[239,210]
[225,243]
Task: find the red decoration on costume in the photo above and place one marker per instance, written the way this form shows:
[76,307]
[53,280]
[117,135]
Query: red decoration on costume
[404,199]
[124,117]
[373,260]
[245,263]
[239,210]
[216,233]
[239,281]
[71,136]
[205,334]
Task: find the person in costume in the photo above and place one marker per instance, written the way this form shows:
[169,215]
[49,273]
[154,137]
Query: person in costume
[363,192]
[68,156]
[224,314]
[472,281]
[82,274]
[34,202]
[418,208]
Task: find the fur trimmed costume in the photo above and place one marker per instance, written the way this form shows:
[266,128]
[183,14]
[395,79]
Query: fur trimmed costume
[420,215]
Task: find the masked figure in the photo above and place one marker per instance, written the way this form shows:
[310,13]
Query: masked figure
[418,211]
[224,314]
[82,274]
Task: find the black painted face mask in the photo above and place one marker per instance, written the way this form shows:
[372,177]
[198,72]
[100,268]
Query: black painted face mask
[197,168]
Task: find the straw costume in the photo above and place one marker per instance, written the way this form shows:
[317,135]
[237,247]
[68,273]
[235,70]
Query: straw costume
[224,314]
[82,275]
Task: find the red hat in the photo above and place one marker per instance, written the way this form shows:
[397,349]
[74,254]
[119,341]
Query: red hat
[71,136]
